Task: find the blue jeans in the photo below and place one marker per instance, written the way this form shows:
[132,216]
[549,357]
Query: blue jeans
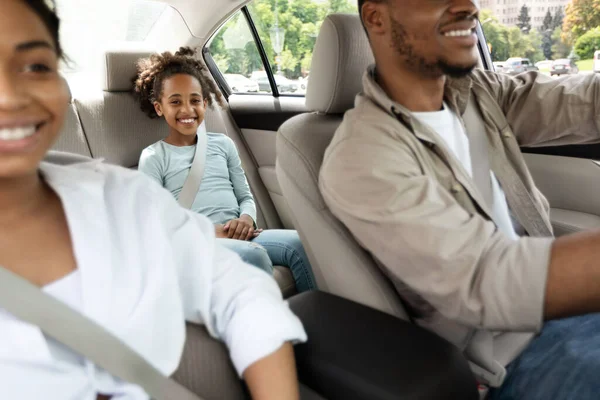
[276,247]
[562,363]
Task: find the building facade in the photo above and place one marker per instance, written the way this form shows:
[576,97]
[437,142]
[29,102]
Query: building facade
[507,11]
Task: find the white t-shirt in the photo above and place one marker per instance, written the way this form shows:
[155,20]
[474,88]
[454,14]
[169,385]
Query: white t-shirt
[448,126]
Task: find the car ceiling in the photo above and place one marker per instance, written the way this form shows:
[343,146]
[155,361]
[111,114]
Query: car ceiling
[202,17]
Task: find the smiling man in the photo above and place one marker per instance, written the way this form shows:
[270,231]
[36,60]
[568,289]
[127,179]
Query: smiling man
[426,172]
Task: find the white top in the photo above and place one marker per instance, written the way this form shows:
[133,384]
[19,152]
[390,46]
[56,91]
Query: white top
[144,265]
[448,126]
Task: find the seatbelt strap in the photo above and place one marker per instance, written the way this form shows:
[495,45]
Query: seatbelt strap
[192,182]
[30,304]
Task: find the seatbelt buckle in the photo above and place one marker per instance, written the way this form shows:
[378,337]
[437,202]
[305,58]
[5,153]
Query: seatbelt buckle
[483,391]
[489,378]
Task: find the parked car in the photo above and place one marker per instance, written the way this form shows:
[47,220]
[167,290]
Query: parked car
[564,66]
[499,66]
[303,82]
[284,85]
[546,64]
[240,84]
[516,65]
[597,61]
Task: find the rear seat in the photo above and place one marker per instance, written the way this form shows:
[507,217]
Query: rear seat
[109,124]
[73,140]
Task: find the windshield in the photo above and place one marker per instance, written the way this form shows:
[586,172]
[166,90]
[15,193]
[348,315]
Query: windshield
[536,30]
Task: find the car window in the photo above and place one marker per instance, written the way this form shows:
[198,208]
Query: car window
[287,31]
[539,30]
[237,57]
[89,27]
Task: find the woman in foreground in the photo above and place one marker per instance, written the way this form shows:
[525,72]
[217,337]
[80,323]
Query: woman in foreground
[114,246]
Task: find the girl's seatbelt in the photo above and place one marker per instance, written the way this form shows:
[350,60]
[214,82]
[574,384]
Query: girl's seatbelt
[192,182]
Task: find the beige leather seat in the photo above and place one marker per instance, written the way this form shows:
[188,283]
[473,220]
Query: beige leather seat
[109,124]
[72,138]
[342,54]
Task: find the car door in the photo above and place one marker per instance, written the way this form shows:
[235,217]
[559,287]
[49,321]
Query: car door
[271,44]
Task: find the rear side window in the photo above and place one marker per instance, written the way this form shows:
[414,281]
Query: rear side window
[90,27]
[281,48]
[237,57]
[86,32]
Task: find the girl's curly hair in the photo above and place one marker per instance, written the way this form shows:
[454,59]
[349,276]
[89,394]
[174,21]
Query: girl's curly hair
[152,72]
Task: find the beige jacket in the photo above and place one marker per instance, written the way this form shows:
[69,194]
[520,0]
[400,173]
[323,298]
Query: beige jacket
[398,188]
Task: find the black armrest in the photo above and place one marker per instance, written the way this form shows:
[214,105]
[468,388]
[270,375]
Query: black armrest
[357,353]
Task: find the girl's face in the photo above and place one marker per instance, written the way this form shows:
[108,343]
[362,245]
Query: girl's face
[182,104]
[33,96]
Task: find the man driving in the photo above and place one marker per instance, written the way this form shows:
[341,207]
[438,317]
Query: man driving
[426,172]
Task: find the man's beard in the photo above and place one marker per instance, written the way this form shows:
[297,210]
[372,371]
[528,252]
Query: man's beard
[418,62]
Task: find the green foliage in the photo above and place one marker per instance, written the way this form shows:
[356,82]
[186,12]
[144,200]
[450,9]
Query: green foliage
[547,44]
[559,48]
[511,42]
[587,44]
[581,17]
[301,20]
[496,36]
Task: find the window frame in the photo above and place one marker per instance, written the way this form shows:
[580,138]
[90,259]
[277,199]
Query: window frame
[218,74]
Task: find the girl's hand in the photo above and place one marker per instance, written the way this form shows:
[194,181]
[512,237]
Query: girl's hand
[241,228]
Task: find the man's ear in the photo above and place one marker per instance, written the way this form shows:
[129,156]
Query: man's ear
[373,16]
[158,108]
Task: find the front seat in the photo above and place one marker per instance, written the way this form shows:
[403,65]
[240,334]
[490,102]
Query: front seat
[341,56]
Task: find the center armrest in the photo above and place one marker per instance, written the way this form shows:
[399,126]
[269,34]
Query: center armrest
[357,353]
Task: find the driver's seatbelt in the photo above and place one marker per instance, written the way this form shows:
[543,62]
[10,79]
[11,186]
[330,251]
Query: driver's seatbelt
[29,303]
[192,182]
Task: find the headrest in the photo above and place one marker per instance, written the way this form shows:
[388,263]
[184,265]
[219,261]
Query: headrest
[120,68]
[341,56]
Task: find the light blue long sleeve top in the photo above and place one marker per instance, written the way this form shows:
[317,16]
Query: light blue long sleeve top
[224,193]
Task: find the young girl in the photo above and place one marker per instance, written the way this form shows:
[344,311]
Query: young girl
[177,88]
[114,246]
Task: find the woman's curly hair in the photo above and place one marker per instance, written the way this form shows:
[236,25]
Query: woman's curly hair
[152,72]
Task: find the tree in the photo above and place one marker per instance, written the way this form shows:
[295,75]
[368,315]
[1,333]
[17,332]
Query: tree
[547,44]
[559,48]
[587,44]
[233,48]
[288,62]
[533,49]
[342,6]
[525,45]
[580,17]
[524,19]
[306,63]
[548,20]
[496,36]
[557,21]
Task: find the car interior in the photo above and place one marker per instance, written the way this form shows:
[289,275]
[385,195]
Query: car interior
[361,342]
